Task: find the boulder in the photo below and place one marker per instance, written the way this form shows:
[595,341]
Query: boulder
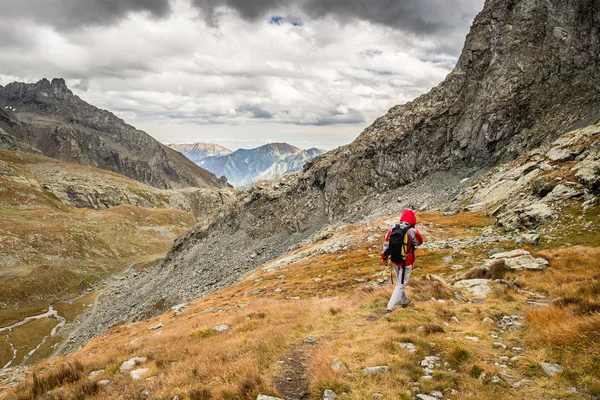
[588,172]
[541,187]
[476,287]
[221,328]
[520,259]
[528,238]
[265,397]
[329,395]
[95,374]
[380,369]
[410,347]
[552,369]
[339,366]
[137,374]
[157,326]
[132,362]
[564,191]
[535,215]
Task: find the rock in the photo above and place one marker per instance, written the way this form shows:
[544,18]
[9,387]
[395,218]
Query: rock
[381,369]
[437,394]
[496,250]
[179,308]
[477,287]
[425,397]
[265,397]
[377,396]
[457,267]
[310,340]
[145,393]
[157,326]
[487,320]
[410,347]
[496,380]
[103,382]
[535,215]
[339,366]
[510,254]
[95,374]
[541,187]
[136,374]
[530,239]
[447,259]
[552,369]
[520,259]
[329,395]
[472,338]
[564,191]
[455,320]
[132,362]
[498,345]
[588,172]
[222,328]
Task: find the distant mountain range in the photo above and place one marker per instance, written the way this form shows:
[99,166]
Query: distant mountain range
[199,151]
[245,166]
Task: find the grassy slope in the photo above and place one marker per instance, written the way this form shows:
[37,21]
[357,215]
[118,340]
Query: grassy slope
[324,297]
[51,252]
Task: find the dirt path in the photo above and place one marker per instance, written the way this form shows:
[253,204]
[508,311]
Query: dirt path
[293,383]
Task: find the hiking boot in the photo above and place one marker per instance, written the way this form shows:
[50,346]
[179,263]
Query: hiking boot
[406,305]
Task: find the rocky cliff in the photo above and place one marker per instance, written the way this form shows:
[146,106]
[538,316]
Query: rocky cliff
[527,74]
[49,117]
[199,151]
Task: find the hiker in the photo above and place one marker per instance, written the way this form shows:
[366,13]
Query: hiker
[399,247]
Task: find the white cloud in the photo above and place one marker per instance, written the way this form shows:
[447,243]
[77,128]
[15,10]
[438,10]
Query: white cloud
[181,78]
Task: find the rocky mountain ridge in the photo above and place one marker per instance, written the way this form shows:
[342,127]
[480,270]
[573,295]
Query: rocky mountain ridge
[50,118]
[245,166]
[199,151]
[292,163]
[527,74]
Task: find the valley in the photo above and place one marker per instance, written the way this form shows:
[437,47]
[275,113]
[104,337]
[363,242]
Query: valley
[67,231]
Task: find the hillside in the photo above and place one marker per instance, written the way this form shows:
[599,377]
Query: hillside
[421,154]
[50,118]
[199,151]
[245,166]
[504,306]
[66,229]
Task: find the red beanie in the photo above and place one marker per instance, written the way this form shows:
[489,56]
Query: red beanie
[409,216]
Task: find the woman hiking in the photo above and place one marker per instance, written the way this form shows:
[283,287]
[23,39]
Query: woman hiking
[399,246]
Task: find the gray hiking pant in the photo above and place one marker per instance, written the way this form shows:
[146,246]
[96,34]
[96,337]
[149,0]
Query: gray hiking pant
[399,296]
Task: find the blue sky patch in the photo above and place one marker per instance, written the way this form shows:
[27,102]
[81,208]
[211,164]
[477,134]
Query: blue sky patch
[276,20]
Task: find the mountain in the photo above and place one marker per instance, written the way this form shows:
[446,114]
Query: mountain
[49,117]
[243,166]
[292,163]
[527,74]
[199,151]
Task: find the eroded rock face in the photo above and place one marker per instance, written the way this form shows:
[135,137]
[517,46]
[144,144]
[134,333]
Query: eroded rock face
[49,117]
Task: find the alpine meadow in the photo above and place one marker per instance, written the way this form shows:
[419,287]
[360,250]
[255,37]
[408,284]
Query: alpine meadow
[269,231]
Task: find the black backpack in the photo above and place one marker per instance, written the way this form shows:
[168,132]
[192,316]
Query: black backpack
[399,244]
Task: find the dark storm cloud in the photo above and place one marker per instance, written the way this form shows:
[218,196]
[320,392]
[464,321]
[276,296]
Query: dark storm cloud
[421,17]
[68,14]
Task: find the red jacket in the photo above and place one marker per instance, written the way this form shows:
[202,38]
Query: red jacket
[408,217]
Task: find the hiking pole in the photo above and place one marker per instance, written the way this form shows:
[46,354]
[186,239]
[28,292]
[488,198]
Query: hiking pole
[389,264]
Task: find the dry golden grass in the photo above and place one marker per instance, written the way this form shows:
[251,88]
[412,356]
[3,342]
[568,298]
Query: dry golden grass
[188,358]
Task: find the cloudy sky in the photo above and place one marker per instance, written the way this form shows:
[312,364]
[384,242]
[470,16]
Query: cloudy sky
[240,73]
